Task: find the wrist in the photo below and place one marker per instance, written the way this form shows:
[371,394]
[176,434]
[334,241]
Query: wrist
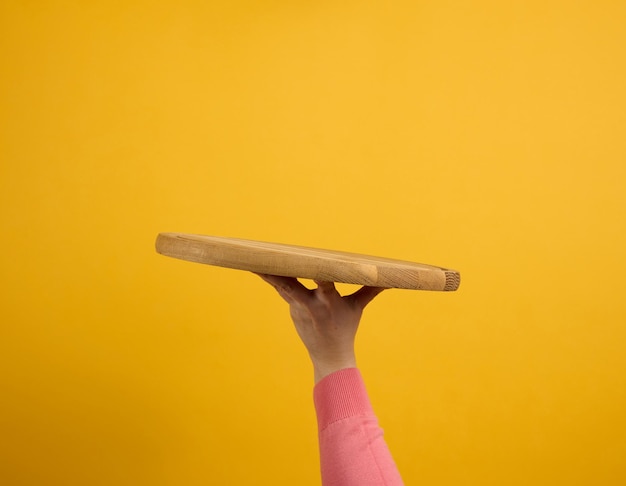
[323,369]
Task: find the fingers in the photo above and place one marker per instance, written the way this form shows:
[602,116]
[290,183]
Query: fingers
[288,287]
[326,288]
[292,290]
[365,295]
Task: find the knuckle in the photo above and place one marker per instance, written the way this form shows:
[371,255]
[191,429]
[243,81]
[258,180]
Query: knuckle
[286,288]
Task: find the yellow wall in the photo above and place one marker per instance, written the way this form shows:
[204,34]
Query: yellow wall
[489,137]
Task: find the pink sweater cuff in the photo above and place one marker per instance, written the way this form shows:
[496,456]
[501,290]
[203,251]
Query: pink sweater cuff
[340,395]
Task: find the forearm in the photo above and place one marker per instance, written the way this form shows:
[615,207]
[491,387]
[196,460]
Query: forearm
[353,451]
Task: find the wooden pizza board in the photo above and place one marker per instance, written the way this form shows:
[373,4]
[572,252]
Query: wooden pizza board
[305,262]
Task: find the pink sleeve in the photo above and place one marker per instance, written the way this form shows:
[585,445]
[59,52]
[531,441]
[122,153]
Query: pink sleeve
[352,449]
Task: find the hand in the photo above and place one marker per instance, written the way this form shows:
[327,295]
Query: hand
[325,321]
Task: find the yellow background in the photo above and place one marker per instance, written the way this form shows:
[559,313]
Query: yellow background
[485,136]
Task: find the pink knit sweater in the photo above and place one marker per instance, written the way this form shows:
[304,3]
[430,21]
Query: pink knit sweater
[352,449]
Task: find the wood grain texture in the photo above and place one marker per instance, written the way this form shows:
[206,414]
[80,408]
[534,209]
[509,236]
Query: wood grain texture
[305,262]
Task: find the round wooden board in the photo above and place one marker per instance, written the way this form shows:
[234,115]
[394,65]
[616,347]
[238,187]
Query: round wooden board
[304,262]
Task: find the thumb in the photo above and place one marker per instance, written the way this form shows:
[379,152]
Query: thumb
[365,295]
